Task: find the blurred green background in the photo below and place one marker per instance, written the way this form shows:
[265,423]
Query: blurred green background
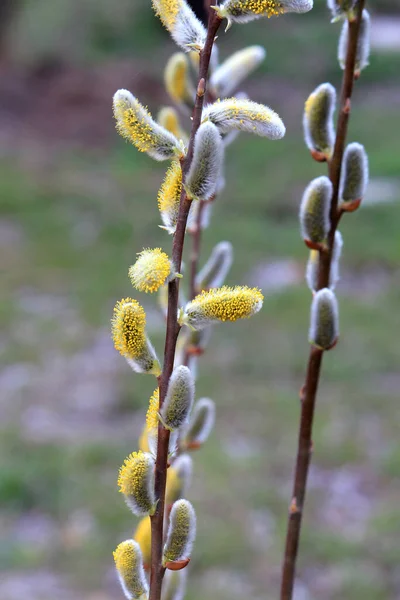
[77,203]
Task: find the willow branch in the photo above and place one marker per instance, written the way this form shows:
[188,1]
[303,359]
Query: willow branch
[310,388]
[157,570]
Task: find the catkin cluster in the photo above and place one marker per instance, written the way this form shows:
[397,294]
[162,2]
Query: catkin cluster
[205,301]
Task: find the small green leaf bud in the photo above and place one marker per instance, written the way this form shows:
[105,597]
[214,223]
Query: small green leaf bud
[222,304]
[134,123]
[319,132]
[181,532]
[179,399]
[235,69]
[324,321]
[136,483]
[215,270]
[177,79]
[201,180]
[354,178]
[174,585]
[363,44]
[341,8]
[185,28]
[314,210]
[129,564]
[200,425]
[313,265]
[245,115]
[243,11]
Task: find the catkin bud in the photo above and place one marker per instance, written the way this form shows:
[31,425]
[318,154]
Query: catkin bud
[313,265]
[341,8]
[169,197]
[179,399]
[136,483]
[206,212]
[168,118]
[244,115]
[151,270]
[181,532]
[363,44]
[134,123]
[215,270]
[185,28]
[208,153]
[200,425]
[174,585]
[354,178]
[242,11]
[314,210]
[177,79]
[179,475]
[128,332]
[235,69]
[142,536]
[129,564]
[324,321]
[222,304]
[319,132]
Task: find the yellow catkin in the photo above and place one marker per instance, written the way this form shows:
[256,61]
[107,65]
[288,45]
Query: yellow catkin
[167,11]
[168,118]
[142,536]
[228,304]
[135,482]
[128,328]
[128,561]
[176,78]
[133,128]
[150,270]
[269,8]
[169,196]
[152,411]
[174,486]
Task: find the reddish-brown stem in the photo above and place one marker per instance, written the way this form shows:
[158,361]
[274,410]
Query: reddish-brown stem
[157,570]
[309,391]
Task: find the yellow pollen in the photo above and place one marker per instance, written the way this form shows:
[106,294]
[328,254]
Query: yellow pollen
[142,536]
[167,10]
[150,271]
[152,411]
[133,127]
[269,8]
[128,328]
[170,194]
[132,478]
[228,304]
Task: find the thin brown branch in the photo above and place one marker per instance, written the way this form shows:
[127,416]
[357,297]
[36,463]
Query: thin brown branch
[157,570]
[309,391]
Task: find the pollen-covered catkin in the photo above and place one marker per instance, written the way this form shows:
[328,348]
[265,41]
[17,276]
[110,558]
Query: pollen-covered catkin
[134,123]
[174,585]
[324,320]
[243,11]
[222,304]
[177,79]
[183,25]
[142,536]
[314,210]
[150,436]
[313,265]
[319,132]
[168,118]
[169,197]
[136,483]
[179,476]
[128,332]
[181,532]
[215,270]
[230,74]
[201,180]
[363,43]
[244,115]
[151,270]
[201,424]
[179,399]
[354,179]
[129,565]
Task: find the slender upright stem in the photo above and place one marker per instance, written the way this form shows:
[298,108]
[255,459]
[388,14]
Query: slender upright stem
[157,570]
[310,388]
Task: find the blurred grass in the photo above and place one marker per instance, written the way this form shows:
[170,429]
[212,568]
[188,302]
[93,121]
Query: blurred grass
[77,226]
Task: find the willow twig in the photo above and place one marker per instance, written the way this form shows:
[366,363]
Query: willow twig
[310,388]
[157,570]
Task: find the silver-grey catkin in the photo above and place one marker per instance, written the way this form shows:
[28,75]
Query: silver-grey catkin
[215,270]
[181,532]
[318,127]
[314,210]
[313,265]
[179,399]
[324,320]
[202,178]
[363,44]
[354,179]
[201,423]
